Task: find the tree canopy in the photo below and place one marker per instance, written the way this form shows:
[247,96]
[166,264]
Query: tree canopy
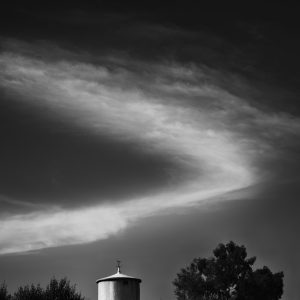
[4,295]
[55,290]
[227,275]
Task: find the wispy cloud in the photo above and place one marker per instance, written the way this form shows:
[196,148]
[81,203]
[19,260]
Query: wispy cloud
[168,108]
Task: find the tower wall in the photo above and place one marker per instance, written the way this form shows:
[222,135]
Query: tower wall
[121,289]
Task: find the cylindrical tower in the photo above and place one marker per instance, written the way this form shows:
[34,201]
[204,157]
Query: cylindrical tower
[119,287]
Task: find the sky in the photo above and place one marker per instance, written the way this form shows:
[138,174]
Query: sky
[148,134]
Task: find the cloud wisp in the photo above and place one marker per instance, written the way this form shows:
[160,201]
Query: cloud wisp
[167,108]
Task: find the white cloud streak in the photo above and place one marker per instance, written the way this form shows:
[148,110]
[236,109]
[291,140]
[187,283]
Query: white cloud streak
[168,109]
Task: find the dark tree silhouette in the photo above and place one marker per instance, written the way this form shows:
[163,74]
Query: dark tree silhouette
[227,275]
[29,293]
[61,290]
[262,284]
[55,290]
[4,292]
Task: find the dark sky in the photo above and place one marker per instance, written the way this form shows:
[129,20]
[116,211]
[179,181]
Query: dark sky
[147,133]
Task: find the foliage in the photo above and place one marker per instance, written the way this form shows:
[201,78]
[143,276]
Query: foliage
[3,292]
[29,293]
[61,290]
[227,275]
[55,290]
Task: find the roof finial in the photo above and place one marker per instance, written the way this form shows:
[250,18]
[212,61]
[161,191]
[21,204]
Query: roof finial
[118,266]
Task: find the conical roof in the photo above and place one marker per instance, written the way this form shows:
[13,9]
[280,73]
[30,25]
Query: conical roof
[118,276]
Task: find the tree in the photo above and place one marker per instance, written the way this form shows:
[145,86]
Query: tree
[227,275]
[61,290]
[4,292]
[29,293]
[55,290]
[262,284]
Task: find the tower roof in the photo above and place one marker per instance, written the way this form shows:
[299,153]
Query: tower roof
[118,276]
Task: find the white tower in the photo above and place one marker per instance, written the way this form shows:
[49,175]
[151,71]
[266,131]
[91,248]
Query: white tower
[119,287]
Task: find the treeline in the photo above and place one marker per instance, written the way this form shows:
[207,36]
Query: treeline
[228,275]
[55,290]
